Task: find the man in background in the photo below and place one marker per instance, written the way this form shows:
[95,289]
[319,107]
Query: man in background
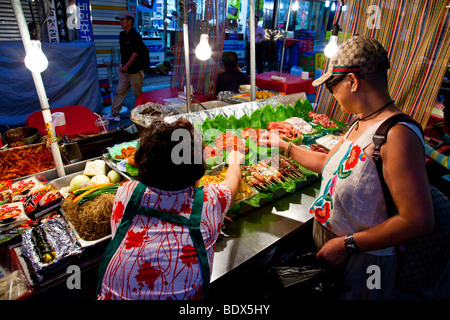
[131,72]
[232,77]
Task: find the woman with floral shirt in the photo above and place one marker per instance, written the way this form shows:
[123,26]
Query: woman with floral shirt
[164,229]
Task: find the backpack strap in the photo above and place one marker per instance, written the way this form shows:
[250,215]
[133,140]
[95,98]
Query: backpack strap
[379,138]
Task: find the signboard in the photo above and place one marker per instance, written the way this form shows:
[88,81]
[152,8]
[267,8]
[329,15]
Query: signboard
[233,8]
[61,20]
[52,24]
[85,24]
[156,50]
[237,46]
[132,7]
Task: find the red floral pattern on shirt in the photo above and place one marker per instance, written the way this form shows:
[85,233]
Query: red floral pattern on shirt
[322,214]
[353,158]
[156,259]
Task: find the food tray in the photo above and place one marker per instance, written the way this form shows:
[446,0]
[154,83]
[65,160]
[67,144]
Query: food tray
[15,150]
[65,181]
[81,241]
[116,150]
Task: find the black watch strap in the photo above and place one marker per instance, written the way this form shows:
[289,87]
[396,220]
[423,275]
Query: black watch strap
[350,244]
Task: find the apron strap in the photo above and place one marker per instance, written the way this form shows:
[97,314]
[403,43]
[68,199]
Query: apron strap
[133,207]
[197,239]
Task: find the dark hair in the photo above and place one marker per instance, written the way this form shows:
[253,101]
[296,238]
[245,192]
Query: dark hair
[230,60]
[154,157]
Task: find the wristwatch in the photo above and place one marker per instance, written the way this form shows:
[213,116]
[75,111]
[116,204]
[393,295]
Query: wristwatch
[350,244]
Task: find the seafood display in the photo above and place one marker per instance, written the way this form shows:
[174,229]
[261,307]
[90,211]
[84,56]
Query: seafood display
[322,119]
[228,142]
[252,134]
[285,130]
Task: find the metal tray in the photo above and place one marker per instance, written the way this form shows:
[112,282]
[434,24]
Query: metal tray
[65,181]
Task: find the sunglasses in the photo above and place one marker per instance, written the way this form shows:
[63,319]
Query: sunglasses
[333,82]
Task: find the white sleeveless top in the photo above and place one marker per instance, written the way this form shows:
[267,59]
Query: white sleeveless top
[351,198]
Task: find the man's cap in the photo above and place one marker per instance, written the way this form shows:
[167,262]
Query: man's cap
[125,14]
[360,55]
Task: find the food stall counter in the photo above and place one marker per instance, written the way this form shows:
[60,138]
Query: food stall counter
[261,229]
[162,96]
[293,84]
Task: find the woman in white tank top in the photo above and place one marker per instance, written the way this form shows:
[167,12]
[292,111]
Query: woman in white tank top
[351,228]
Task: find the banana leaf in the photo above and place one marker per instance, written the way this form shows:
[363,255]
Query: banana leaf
[221,122]
[268,115]
[132,171]
[208,124]
[289,112]
[280,113]
[234,122]
[255,119]
[210,135]
[244,121]
[301,109]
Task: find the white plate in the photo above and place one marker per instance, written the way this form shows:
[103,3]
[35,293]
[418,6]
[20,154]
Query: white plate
[328,141]
[122,165]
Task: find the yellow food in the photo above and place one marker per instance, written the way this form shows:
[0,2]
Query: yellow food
[243,192]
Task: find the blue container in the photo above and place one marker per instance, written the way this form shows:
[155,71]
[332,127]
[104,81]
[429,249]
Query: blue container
[296,71]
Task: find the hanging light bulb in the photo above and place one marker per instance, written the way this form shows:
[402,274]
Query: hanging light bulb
[295,6]
[35,60]
[203,50]
[332,46]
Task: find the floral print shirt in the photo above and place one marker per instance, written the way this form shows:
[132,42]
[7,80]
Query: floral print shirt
[350,198]
[157,259]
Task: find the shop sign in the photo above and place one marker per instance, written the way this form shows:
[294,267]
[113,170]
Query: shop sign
[132,7]
[52,24]
[237,46]
[85,26]
[61,19]
[156,50]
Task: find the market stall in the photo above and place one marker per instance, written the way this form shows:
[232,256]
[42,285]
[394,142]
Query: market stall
[44,238]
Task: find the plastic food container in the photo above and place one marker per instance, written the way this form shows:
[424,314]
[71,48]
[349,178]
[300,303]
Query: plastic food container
[14,285]
[102,125]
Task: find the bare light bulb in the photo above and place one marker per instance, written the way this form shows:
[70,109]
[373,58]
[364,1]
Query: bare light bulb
[295,6]
[332,47]
[203,50]
[35,60]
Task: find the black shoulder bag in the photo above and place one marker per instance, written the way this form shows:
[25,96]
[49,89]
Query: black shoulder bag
[421,265]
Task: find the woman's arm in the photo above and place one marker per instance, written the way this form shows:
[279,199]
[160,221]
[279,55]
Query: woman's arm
[405,175]
[233,174]
[311,160]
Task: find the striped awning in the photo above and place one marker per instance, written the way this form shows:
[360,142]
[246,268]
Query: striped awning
[416,35]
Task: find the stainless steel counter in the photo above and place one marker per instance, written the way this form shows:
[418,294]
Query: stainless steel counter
[262,228]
